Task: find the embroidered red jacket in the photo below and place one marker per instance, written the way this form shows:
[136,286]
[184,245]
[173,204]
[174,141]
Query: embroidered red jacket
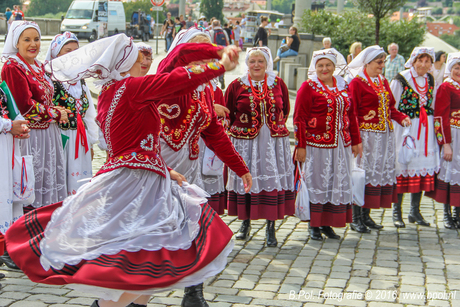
[130,121]
[320,119]
[446,111]
[33,97]
[374,112]
[186,118]
[248,114]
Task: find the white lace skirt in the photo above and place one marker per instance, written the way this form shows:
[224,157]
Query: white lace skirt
[9,211]
[49,165]
[269,160]
[378,158]
[329,174]
[450,171]
[79,171]
[212,184]
[181,163]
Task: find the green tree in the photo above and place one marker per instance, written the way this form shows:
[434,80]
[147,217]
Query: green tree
[282,6]
[355,26]
[212,8]
[42,7]
[380,9]
[7,3]
[453,40]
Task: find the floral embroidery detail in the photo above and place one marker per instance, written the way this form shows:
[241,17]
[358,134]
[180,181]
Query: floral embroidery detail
[150,141]
[409,102]
[312,123]
[113,106]
[244,118]
[439,130]
[167,110]
[196,69]
[370,115]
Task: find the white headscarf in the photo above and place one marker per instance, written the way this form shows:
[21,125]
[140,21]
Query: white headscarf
[103,59]
[452,59]
[16,29]
[185,35]
[144,47]
[57,43]
[271,76]
[418,51]
[331,54]
[364,57]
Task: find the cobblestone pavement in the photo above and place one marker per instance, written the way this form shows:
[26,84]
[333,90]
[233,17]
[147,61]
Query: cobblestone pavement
[415,266]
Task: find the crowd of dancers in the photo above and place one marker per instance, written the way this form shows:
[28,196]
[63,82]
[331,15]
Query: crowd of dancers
[180,152]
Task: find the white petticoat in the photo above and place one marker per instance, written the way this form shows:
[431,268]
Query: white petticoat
[450,171]
[421,165]
[269,160]
[123,209]
[328,174]
[181,163]
[45,145]
[379,157]
[79,171]
[212,184]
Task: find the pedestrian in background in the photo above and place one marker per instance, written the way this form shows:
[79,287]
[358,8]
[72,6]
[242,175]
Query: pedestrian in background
[394,62]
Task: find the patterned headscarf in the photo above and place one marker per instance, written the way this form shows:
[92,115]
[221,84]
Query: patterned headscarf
[143,47]
[57,43]
[331,54]
[418,51]
[452,59]
[184,36]
[16,29]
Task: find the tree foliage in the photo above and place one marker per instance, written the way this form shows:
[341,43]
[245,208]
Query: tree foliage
[7,3]
[212,8]
[380,9]
[282,6]
[350,27]
[143,5]
[453,40]
[43,7]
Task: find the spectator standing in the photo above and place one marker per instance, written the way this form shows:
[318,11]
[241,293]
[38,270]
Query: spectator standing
[165,28]
[355,49]
[327,43]
[18,14]
[261,38]
[169,34]
[189,22]
[177,26]
[182,21]
[237,33]
[243,25]
[229,33]
[394,62]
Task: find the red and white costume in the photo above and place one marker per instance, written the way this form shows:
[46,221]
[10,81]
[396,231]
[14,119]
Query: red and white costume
[33,93]
[190,117]
[131,229]
[326,126]
[375,110]
[447,128]
[257,129]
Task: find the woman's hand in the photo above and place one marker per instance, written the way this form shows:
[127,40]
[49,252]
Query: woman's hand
[19,129]
[447,152]
[64,118]
[247,181]
[227,62]
[233,50]
[221,111]
[406,122]
[300,154]
[357,150]
[178,177]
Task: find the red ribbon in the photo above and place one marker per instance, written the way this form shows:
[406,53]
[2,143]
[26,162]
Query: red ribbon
[24,174]
[81,136]
[423,122]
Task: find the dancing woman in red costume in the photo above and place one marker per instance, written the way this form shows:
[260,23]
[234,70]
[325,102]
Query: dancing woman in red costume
[131,231]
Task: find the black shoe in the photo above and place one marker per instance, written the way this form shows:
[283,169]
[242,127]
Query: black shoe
[368,221]
[315,234]
[8,261]
[245,228]
[270,234]
[95,304]
[397,215]
[136,305]
[357,224]
[448,222]
[456,217]
[329,232]
[414,215]
[193,297]
[2,275]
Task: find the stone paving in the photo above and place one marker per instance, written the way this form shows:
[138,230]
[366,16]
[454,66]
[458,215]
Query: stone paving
[415,266]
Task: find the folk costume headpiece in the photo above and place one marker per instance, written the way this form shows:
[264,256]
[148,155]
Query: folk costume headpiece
[271,76]
[331,54]
[143,47]
[452,59]
[364,57]
[57,43]
[16,29]
[184,36]
[104,59]
[419,51]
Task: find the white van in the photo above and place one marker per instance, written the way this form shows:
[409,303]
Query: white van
[85,18]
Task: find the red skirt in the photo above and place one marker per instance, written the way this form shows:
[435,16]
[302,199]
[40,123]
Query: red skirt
[218,202]
[414,184]
[330,215]
[445,193]
[264,205]
[378,197]
[135,271]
